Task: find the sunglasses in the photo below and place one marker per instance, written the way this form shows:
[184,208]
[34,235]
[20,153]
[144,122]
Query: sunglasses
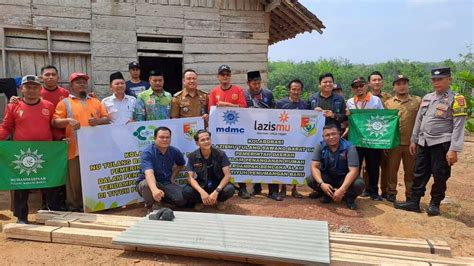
[358,86]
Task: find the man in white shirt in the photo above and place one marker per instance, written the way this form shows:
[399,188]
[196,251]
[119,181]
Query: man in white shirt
[119,105]
[364,100]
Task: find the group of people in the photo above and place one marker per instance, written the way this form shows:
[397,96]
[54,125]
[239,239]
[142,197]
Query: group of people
[431,130]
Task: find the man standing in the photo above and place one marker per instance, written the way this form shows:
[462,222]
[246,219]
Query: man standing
[226,94]
[208,174]
[335,169]
[439,136]
[76,111]
[157,179]
[190,101]
[258,97]
[327,101]
[51,91]
[154,103]
[135,85]
[293,101]
[408,106]
[120,106]
[375,83]
[29,120]
[364,100]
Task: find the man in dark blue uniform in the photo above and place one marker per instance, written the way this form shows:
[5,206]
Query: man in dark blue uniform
[438,136]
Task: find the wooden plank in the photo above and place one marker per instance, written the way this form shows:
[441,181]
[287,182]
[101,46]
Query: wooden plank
[113,22]
[196,15]
[243,19]
[61,11]
[27,61]
[160,55]
[62,22]
[13,64]
[25,33]
[70,46]
[17,2]
[113,8]
[85,237]
[243,27]
[237,67]
[202,58]
[388,238]
[29,231]
[41,60]
[25,43]
[160,22]
[225,48]
[112,50]
[202,25]
[64,67]
[113,36]
[12,14]
[146,9]
[71,3]
[160,46]
[111,63]
[203,40]
[70,36]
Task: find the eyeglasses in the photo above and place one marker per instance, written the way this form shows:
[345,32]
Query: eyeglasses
[358,86]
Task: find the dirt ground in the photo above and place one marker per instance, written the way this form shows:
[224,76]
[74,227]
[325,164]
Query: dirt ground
[455,225]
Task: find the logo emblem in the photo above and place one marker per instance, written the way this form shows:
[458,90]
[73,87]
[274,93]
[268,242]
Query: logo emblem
[143,133]
[377,126]
[45,111]
[189,130]
[235,96]
[308,125]
[230,117]
[28,162]
[283,117]
[437,72]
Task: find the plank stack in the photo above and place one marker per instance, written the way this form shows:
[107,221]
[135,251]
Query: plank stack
[98,230]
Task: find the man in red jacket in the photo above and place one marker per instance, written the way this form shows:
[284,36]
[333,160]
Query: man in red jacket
[29,120]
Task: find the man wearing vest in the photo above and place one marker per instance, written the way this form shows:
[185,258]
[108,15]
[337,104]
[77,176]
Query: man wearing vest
[258,97]
[335,169]
[76,111]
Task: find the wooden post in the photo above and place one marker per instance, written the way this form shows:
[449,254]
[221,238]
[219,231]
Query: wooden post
[50,55]
[4,52]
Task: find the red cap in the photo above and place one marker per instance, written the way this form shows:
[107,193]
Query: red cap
[76,75]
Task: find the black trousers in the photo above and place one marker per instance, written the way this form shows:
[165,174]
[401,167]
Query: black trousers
[258,187]
[20,201]
[431,161]
[373,158]
[192,196]
[354,190]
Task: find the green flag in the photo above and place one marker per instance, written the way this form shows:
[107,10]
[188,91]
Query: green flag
[374,128]
[32,164]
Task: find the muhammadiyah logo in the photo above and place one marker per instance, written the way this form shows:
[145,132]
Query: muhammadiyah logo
[308,125]
[230,117]
[28,162]
[377,126]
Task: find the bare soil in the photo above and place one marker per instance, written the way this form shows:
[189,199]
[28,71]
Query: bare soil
[455,225]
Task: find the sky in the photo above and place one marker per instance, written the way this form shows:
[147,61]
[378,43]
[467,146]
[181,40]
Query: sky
[376,31]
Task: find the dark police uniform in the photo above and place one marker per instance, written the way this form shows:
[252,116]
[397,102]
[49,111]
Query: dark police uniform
[439,128]
[209,174]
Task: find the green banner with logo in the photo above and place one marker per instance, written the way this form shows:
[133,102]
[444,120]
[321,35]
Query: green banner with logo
[32,164]
[373,128]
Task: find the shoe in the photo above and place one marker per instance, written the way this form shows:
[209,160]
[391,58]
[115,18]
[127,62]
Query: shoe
[295,194]
[411,205]
[325,199]
[384,195]
[433,209]
[375,197]
[275,196]
[221,206]
[391,197]
[364,194]
[256,192]
[283,191]
[315,195]
[44,206]
[198,206]
[351,205]
[22,221]
[244,194]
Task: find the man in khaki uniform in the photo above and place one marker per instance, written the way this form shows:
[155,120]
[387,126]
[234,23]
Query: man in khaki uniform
[408,106]
[190,102]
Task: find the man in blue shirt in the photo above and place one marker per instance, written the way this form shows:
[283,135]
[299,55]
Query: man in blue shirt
[160,165]
[335,169]
[135,85]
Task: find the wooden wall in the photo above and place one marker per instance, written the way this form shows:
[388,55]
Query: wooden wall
[214,32]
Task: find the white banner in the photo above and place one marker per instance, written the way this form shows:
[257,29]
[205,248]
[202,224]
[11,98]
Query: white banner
[267,145]
[110,157]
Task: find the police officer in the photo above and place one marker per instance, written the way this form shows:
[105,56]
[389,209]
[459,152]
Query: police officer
[191,101]
[327,101]
[258,97]
[439,136]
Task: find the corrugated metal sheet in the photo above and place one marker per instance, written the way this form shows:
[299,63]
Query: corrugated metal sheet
[276,239]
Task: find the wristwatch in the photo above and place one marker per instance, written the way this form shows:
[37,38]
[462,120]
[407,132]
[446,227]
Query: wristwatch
[218,189]
[320,183]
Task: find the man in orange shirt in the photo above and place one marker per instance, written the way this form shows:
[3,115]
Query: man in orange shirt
[76,111]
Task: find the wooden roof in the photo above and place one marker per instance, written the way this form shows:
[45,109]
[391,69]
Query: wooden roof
[289,18]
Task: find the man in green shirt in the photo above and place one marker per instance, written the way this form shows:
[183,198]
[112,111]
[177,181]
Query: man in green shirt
[154,103]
